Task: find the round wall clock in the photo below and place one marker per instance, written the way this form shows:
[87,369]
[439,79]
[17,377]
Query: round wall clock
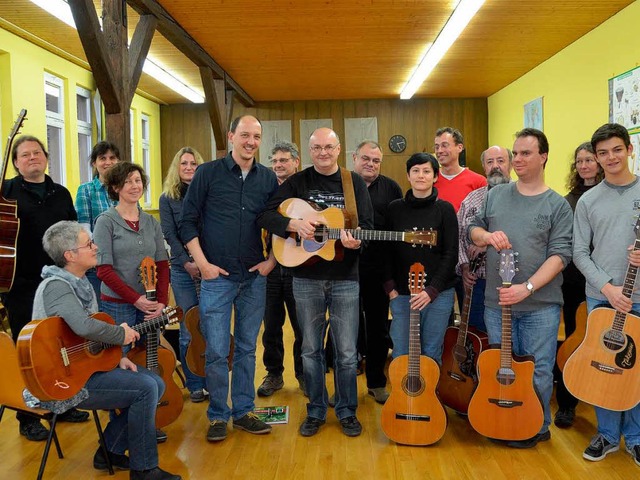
[397,144]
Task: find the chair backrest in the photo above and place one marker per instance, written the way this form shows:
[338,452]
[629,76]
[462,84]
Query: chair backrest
[11,381]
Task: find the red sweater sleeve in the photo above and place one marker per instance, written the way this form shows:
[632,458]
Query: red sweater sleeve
[162,287]
[108,275]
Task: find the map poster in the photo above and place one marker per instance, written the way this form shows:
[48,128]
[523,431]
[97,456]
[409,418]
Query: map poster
[624,100]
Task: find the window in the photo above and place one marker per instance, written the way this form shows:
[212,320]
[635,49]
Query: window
[146,157]
[85,141]
[132,135]
[54,113]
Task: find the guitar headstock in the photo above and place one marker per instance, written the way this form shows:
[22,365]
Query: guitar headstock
[636,228]
[477,262]
[148,276]
[14,131]
[421,237]
[416,278]
[507,266]
[173,314]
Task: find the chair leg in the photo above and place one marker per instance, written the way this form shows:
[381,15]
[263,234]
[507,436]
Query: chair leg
[103,444]
[47,447]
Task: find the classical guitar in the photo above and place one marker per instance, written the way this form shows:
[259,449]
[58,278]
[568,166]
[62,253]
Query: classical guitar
[462,345]
[293,251]
[159,360]
[413,415]
[573,341]
[505,405]
[604,370]
[9,221]
[56,363]
[195,355]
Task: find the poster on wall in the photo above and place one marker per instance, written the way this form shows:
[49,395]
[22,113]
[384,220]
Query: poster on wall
[533,114]
[624,100]
[634,158]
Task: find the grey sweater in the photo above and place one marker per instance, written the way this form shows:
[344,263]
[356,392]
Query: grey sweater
[538,227]
[604,218]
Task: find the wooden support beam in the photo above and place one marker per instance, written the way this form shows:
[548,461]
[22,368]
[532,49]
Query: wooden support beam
[173,32]
[139,48]
[214,91]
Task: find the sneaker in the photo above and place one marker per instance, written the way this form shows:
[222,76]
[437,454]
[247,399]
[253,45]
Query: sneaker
[380,394]
[161,437]
[564,418]
[599,448]
[252,424]
[153,474]
[530,442]
[119,462]
[34,431]
[332,401]
[270,384]
[310,426]
[351,427]
[73,415]
[217,431]
[635,453]
[197,396]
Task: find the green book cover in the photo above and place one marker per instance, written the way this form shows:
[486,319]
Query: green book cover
[272,415]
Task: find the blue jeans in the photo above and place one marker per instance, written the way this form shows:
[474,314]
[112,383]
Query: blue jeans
[476,312]
[532,333]
[341,299]
[434,319]
[123,313]
[612,424]
[217,298]
[136,394]
[184,291]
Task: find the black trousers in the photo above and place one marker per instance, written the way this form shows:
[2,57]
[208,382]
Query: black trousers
[573,295]
[374,329]
[279,293]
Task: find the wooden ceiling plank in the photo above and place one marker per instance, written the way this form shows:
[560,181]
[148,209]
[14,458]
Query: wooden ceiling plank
[179,37]
[138,50]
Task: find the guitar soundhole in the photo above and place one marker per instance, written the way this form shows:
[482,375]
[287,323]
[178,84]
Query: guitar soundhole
[321,235]
[413,385]
[506,376]
[614,340]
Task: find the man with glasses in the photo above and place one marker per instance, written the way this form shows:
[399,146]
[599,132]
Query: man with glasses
[374,321]
[284,162]
[325,285]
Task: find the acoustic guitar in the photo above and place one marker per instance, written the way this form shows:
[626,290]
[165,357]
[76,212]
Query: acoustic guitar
[413,415]
[9,221]
[505,405]
[56,363]
[293,251]
[573,341]
[159,360]
[604,370]
[462,345]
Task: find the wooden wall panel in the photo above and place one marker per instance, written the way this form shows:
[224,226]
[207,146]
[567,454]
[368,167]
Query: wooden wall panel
[416,119]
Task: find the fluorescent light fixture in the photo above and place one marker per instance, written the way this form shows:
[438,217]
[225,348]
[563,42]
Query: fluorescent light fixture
[457,22]
[61,10]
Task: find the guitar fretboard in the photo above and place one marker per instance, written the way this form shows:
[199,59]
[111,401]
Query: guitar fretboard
[627,290]
[427,237]
[505,345]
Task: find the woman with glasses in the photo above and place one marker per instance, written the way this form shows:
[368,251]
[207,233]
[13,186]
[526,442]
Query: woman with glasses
[184,272]
[585,173]
[66,292]
[92,198]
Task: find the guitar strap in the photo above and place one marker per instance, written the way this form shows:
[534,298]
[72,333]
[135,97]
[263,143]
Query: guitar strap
[350,207]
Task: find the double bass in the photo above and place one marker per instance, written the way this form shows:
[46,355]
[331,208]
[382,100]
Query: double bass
[9,221]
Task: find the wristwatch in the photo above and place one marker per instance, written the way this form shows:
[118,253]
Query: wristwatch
[530,288]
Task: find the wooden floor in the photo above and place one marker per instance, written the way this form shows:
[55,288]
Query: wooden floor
[284,454]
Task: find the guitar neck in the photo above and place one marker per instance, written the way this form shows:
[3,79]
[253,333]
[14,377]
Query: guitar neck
[464,317]
[506,357]
[153,339]
[334,234]
[627,290]
[415,349]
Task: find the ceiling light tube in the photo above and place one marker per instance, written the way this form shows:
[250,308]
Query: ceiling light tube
[457,22]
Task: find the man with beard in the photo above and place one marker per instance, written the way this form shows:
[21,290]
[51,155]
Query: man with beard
[496,162]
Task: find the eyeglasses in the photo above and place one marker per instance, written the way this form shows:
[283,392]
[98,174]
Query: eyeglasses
[326,148]
[88,245]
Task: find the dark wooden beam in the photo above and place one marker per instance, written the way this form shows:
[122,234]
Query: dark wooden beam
[214,91]
[139,49]
[179,37]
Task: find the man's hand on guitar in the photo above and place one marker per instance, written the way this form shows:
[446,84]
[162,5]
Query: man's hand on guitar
[497,240]
[146,306]
[156,312]
[634,256]
[513,294]
[616,298]
[209,271]
[419,300]
[130,335]
[126,364]
[348,241]
[304,228]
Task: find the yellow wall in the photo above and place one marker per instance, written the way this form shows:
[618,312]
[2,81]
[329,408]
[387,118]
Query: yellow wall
[22,67]
[574,84]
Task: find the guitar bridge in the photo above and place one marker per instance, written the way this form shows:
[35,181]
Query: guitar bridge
[415,418]
[505,403]
[606,368]
[456,377]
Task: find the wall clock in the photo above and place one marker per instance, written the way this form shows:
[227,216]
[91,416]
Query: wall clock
[397,144]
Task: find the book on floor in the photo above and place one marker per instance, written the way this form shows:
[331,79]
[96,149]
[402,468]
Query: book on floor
[273,415]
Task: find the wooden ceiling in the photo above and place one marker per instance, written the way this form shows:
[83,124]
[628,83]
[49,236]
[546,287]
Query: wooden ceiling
[345,49]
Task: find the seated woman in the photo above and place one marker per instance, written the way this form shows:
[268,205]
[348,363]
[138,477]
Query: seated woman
[421,209]
[66,292]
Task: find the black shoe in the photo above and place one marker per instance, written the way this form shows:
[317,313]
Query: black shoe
[351,427]
[310,426]
[73,415]
[564,418]
[197,396]
[530,442]
[34,431]
[635,453]
[217,431]
[119,462]
[161,436]
[252,424]
[599,448]
[153,474]
[270,384]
